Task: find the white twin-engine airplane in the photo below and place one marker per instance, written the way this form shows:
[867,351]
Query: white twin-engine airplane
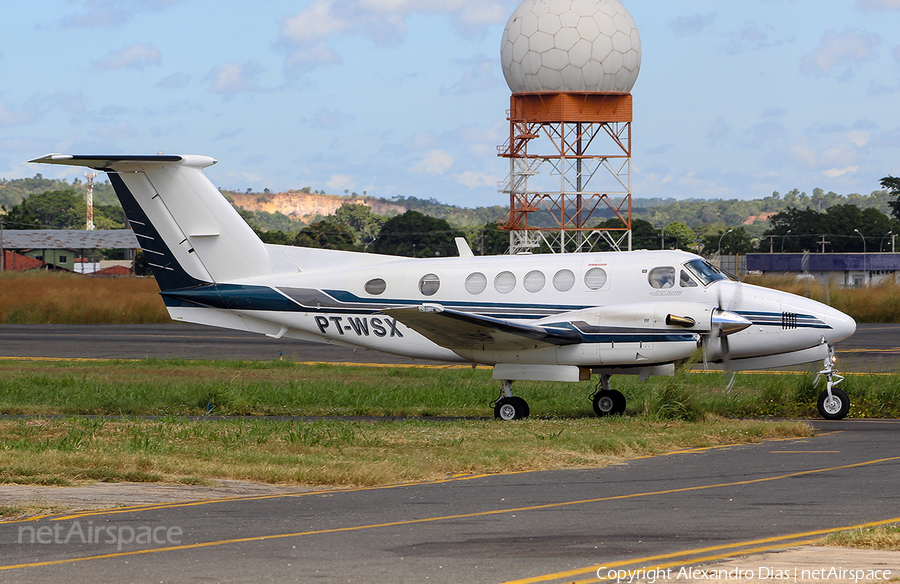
[535,317]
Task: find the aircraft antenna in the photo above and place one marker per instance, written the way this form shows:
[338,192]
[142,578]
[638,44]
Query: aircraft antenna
[571,72]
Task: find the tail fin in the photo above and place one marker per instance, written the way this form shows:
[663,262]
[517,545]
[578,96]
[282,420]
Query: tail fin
[188,231]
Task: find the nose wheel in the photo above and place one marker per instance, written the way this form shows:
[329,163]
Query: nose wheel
[833,403]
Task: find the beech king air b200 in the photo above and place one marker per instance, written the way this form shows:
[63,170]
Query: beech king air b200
[532,317]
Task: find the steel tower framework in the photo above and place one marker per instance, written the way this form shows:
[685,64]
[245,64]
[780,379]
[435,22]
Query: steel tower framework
[570,157]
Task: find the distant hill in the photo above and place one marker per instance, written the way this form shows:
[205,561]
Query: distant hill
[292,210]
[12,192]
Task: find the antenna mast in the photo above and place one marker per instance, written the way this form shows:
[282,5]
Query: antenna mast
[90,199]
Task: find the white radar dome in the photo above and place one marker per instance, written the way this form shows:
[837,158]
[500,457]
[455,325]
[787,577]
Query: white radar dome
[570,45]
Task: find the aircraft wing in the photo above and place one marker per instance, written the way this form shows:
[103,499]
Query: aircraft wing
[465,331]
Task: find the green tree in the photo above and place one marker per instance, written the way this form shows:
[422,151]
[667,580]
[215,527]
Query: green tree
[738,242]
[892,185]
[679,236]
[490,240]
[360,220]
[416,235]
[326,235]
[49,210]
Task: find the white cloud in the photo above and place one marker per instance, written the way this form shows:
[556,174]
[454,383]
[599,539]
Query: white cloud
[480,76]
[174,81]
[836,172]
[859,137]
[305,36]
[22,116]
[691,25]
[106,13]
[133,57]
[474,179]
[233,77]
[339,181]
[848,47]
[434,162]
[867,5]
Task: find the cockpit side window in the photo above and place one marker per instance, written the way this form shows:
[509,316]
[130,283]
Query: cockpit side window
[662,277]
[704,271]
[685,280]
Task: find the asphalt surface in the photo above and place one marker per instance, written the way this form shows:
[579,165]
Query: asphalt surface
[558,526]
[874,347]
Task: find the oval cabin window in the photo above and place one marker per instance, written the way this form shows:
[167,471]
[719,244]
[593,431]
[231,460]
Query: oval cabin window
[534,281]
[476,283]
[564,280]
[595,278]
[376,286]
[505,282]
[429,284]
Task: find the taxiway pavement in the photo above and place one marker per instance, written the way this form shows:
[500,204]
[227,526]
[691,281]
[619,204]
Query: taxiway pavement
[674,510]
[874,347]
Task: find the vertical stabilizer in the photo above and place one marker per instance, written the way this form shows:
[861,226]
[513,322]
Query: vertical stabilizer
[189,232]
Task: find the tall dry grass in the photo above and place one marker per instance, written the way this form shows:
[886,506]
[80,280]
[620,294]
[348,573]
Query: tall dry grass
[875,303]
[49,297]
[58,298]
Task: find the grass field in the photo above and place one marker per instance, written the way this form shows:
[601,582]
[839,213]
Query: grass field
[690,410]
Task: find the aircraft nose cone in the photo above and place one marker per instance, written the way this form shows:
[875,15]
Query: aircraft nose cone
[729,322]
[842,325]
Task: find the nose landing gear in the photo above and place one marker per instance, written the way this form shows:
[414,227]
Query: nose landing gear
[833,403]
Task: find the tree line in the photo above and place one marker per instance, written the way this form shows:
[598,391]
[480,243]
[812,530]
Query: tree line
[820,226]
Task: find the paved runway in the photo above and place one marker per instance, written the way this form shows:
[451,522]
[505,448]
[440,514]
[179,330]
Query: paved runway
[558,526]
[874,347]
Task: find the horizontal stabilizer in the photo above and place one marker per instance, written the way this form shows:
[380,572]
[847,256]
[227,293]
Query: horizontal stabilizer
[465,331]
[189,232]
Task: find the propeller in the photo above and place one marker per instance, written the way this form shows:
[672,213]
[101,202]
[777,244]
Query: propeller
[723,323]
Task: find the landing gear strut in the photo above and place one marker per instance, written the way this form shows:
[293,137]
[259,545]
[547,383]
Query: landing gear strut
[607,402]
[509,406]
[833,403]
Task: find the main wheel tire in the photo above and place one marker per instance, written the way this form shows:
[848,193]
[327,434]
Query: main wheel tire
[511,408]
[609,403]
[835,407]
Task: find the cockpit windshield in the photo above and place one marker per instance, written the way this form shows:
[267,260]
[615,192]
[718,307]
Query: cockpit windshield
[705,271]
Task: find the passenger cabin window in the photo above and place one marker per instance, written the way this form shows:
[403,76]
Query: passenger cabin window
[505,282]
[685,281]
[429,284]
[595,278]
[663,277]
[564,280]
[376,286]
[534,281]
[476,283]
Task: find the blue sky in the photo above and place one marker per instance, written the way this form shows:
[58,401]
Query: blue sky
[407,97]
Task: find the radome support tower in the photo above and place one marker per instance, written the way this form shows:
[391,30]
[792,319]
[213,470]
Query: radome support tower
[571,65]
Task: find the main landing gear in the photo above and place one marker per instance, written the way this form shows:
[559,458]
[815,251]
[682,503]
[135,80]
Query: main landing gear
[607,402]
[509,406]
[833,403]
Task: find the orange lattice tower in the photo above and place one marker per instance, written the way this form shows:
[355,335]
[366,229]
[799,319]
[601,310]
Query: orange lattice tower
[571,65]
